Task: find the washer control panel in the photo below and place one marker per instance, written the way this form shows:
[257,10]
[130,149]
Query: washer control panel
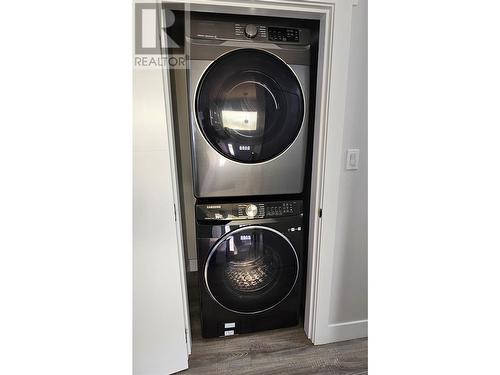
[249,210]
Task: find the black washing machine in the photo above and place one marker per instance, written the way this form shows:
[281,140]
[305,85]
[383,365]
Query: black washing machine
[250,265]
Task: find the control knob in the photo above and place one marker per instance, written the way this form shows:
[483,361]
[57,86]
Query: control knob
[251,31]
[251,210]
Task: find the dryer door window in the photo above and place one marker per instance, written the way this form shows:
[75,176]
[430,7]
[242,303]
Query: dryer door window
[249,106]
[251,269]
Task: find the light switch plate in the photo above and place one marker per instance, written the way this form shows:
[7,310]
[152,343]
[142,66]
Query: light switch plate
[352,159]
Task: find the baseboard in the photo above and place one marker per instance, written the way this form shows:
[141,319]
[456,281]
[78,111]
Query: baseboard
[342,332]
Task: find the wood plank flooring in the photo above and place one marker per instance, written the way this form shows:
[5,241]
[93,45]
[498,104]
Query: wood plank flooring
[281,351]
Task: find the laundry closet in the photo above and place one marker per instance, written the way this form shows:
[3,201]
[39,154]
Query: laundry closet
[243,131]
[250,125]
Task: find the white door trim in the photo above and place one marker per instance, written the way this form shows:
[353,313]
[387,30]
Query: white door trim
[177,198]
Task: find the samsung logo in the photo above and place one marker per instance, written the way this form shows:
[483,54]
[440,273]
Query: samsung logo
[213,207]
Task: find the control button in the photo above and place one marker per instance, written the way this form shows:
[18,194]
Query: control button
[251,210]
[251,31]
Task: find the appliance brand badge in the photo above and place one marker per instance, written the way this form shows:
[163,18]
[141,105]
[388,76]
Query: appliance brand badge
[212,207]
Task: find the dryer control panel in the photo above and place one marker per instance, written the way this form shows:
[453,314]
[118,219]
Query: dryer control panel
[248,210]
[283,34]
[249,30]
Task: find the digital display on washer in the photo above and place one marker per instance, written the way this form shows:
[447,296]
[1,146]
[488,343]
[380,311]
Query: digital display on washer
[282,34]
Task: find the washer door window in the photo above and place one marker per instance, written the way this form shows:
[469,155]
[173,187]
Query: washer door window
[249,105]
[251,269]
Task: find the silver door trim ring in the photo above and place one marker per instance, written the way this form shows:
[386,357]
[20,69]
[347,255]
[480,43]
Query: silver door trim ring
[222,239]
[197,88]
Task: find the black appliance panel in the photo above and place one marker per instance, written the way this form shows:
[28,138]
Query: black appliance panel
[258,30]
[239,211]
[283,34]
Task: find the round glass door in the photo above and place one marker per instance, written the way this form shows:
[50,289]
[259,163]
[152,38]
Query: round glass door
[251,269]
[249,105]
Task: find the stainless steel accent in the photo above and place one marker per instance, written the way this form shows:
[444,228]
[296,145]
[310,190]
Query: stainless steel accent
[282,175]
[222,239]
[250,276]
[251,31]
[251,210]
[215,175]
[210,49]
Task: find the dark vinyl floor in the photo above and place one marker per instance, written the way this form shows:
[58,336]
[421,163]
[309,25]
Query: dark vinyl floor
[281,351]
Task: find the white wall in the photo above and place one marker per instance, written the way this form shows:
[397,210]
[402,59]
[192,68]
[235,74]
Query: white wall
[349,292]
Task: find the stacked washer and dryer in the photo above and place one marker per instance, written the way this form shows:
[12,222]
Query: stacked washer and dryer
[248,97]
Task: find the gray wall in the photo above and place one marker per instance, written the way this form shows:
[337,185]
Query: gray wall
[350,282]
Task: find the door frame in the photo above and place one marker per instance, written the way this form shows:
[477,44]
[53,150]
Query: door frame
[334,43]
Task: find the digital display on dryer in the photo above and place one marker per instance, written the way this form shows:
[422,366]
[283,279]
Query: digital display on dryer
[282,34]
